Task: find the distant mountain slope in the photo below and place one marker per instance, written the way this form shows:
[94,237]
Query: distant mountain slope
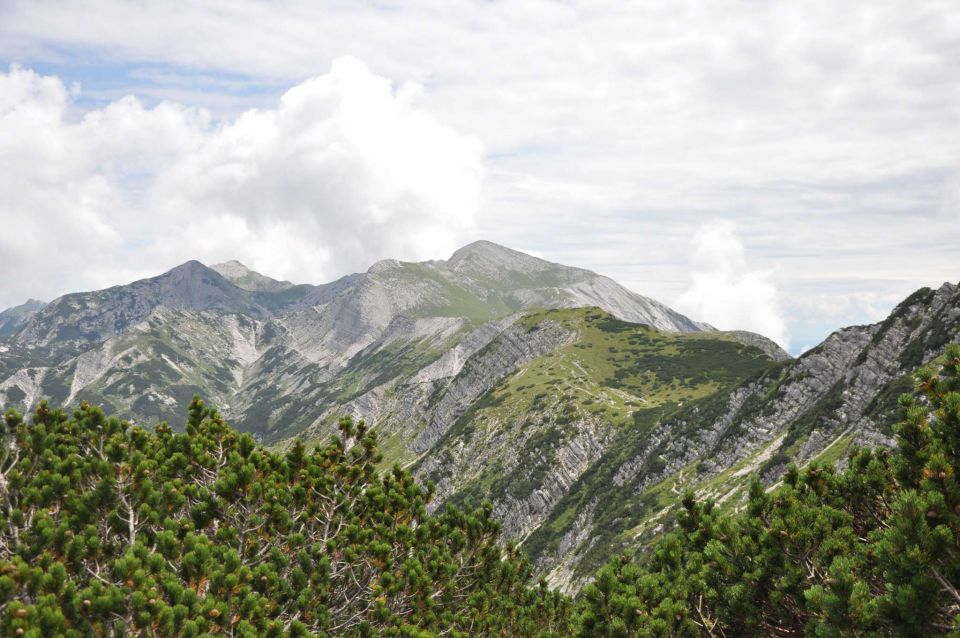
[13,319]
[73,323]
[299,350]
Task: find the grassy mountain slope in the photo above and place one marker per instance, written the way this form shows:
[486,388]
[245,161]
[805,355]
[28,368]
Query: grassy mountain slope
[539,443]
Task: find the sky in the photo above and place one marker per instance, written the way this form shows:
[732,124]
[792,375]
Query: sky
[783,167]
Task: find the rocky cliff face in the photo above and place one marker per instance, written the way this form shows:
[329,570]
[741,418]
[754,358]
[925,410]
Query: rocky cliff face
[839,394]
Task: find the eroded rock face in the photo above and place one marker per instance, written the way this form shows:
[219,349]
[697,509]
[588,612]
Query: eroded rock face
[834,384]
[840,393]
[521,516]
[505,354]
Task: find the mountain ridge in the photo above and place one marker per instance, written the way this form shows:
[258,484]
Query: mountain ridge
[195,286]
[835,396]
[318,329]
[14,318]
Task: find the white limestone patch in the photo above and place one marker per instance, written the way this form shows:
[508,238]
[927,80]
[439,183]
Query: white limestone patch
[92,365]
[28,380]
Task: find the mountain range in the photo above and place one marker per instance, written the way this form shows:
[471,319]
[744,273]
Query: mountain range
[579,408]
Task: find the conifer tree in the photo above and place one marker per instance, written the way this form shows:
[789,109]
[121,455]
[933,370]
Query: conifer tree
[873,550]
[107,529]
[112,530]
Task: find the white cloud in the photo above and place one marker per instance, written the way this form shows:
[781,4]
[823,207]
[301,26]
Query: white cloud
[613,130]
[344,170]
[872,306]
[950,199]
[725,292]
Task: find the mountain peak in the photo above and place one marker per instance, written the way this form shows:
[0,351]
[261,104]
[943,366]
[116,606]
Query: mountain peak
[488,250]
[187,275]
[30,305]
[242,277]
[12,319]
[384,266]
[492,261]
[232,264]
[191,268]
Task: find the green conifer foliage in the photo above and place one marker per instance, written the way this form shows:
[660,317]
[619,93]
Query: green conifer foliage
[873,550]
[108,529]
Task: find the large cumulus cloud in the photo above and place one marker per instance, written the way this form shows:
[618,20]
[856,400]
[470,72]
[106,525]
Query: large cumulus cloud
[343,170]
[724,288]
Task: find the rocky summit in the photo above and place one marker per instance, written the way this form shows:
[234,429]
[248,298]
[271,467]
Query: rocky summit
[580,409]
